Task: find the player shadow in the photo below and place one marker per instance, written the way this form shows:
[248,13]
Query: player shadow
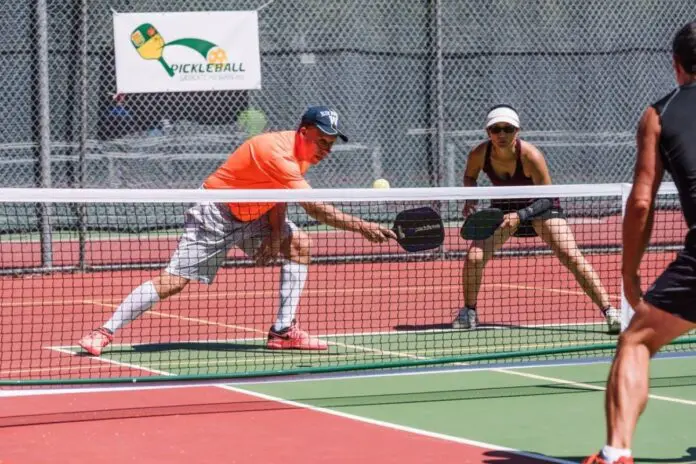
[420,327]
[202,346]
[191,346]
[505,457]
[689,456]
[444,326]
[508,457]
[448,326]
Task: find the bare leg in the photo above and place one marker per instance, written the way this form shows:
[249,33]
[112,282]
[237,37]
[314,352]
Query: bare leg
[168,284]
[627,388]
[557,234]
[478,255]
[297,247]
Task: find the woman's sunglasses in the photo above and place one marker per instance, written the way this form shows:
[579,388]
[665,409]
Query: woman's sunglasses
[499,129]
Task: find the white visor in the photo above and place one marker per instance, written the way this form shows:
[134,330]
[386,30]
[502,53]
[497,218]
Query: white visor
[503,114]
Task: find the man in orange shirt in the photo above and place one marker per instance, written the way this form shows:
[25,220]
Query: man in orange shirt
[275,160]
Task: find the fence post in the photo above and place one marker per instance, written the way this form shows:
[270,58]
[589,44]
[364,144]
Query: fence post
[45,209]
[435,106]
[440,96]
[84,128]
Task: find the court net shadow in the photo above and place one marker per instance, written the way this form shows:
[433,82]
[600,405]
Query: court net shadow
[259,405]
[197,346]
[189,346]
[211,347]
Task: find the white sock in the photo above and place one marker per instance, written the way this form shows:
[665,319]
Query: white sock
[612,454]
[140,300]
[292,280]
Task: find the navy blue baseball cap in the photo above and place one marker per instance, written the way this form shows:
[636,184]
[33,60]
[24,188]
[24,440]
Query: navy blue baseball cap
[325,119]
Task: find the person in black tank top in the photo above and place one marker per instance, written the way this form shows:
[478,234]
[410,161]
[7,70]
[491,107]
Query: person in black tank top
[518,178]
[666,141]
[509,161]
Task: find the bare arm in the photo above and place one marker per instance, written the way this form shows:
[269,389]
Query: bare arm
[270,247]
[474,164]
[334,217]
[535,166]
[277,218]
[638,221]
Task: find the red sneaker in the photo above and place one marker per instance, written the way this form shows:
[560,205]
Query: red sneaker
[292,338]
[598,459]
[96,341]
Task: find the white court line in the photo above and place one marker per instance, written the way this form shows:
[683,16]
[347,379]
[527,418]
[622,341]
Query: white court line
[349,356]
[120,363]
[353,417]
[368,374]
[262,332]
[401,428]
[357,348]
[357,334]
[504,371]
[498,370]
[385,424]
[588,386]
[332,335]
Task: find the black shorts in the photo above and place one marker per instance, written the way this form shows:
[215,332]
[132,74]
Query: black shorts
[526,229]
[675,290]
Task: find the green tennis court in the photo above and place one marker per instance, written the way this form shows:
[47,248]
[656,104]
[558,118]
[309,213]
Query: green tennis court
[239,357]
[554,410]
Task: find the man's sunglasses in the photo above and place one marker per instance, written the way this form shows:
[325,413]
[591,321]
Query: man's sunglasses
[499,129]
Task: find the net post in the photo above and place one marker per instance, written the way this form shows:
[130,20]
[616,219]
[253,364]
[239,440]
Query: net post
[626,310]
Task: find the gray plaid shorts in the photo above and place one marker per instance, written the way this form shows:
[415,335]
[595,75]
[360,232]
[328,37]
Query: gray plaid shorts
[210,232]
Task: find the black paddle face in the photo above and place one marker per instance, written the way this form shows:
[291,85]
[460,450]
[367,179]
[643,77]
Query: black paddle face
[419,229]
[482,224]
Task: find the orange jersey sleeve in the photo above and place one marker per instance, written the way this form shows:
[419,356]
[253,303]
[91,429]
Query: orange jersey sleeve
[266,161]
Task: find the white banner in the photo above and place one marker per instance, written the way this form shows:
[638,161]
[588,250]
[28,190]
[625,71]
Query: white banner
[190,51]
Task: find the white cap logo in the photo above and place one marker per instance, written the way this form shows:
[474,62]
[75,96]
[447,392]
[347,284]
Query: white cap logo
[333,116]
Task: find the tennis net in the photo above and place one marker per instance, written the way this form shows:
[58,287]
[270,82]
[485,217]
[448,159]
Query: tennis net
[71,257]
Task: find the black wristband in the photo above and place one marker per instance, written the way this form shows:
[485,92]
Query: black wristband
[538,207]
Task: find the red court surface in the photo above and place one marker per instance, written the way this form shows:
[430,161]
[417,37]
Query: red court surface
[208,425]
[212,424]
[57,309]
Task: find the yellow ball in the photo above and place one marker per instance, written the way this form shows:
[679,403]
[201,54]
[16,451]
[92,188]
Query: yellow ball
[380,184]
[252,121]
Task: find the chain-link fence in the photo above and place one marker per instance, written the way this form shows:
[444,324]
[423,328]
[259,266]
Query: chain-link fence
[412,80]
